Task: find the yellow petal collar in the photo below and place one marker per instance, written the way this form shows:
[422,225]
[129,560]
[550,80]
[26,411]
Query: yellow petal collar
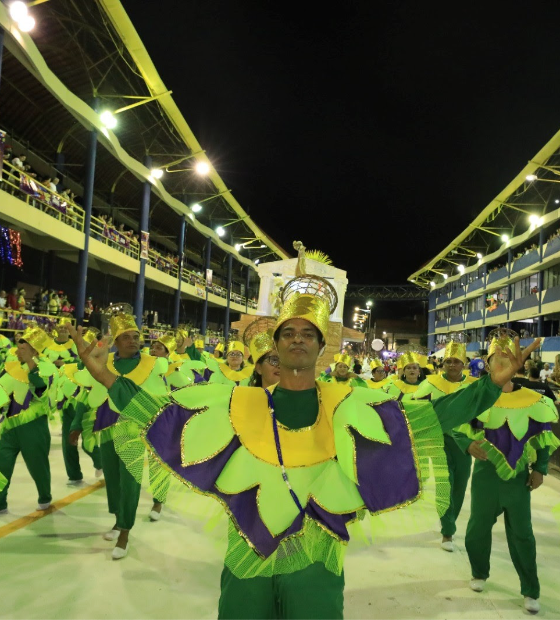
[237,375]
[17,371]
[140,373]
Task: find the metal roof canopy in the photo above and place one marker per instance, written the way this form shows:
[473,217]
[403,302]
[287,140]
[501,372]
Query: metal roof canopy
[92,49]
[506,214]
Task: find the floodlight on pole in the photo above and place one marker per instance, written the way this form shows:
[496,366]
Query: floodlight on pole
[26,24]
[18,10]
[220,231]
[196,208]
[504,238]
[202,168]
[535,220]
[108,119]
[479,256]
[531,177]
[238,246]
[157,173]
[445,276]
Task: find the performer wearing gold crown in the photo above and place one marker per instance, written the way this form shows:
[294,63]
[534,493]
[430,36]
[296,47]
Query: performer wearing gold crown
[516,441]
[259,338]
[234,371]
[292,466]
[165,347]
[410,361]
[379,378]
[62,350]
[145,371]
[25,389]
[458,459]
[69,394]
[342,374]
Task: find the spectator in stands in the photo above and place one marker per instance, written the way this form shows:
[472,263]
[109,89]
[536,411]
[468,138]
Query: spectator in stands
[18,161]
[12,299]
[534,383]
[545,373]
[3,299]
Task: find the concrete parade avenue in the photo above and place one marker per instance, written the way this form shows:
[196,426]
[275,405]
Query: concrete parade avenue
[173,567]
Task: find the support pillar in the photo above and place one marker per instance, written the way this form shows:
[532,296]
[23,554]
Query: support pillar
[228,298]
[89,180]
[144,227]
[1,49]
[247,282]
[205,304]
[181,245]
[510,261]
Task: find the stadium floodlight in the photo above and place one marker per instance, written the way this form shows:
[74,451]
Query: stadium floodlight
[108,119]
[202,168]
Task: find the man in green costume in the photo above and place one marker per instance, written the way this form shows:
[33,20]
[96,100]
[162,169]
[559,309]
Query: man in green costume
[517,440]
[313,590]
[24,388]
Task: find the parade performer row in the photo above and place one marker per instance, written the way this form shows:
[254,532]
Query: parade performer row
[293,465]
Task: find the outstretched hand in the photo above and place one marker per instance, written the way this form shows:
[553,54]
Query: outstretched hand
[94,355]
[503,375]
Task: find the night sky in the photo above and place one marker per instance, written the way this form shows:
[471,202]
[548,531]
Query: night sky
[375,131]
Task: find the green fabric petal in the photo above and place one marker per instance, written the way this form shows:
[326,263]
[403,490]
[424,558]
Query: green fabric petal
[543,410]
[356,411]
[333,490]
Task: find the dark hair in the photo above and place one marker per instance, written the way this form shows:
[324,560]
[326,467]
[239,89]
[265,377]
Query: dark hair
[534,372]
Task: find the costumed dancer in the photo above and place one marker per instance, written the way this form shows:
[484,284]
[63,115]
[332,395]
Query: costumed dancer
[295,465]
[219,351]
[70,393]
[5,346]
[410,361]
[234,371]
[100,415]
[379,378]
[341,373]
[25,389]
[459,461]
[259,338]
[165,346]
[62,350]
[516,438]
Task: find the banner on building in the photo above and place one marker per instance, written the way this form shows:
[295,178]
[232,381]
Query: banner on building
[144,245]
[209,277]
[200,291]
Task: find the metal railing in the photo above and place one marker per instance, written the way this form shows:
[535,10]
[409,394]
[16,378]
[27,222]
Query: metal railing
[37,195]
[162,263]
[114,238]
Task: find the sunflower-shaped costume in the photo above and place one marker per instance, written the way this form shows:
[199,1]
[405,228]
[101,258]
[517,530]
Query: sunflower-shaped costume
[27,397]
[220,372]
[177,375]
[400,388]
[293,468]
[5,345]
[64,352]
[350,379]
[376,363]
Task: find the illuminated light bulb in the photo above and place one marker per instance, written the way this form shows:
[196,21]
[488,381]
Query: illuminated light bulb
[202,168]
[157,173]
[238,246]
[461,268]
[432,283]
[479,256]
[196,208]
[504,238]
[220,231]
[531,178]
[107,118]
[445,276]
[26,24]
[18,10]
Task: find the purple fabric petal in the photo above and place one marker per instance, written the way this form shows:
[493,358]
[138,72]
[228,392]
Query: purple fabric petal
[200,377]
[506,442]
[105,417]
[387,474]
[16,408]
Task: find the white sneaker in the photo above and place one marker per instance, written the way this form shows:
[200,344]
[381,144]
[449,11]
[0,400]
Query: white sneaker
[98,473]
[447,545]
[478,585]
[44,506]
[532,605]
[154,515]
[74,483]
[119,553]
[111,535]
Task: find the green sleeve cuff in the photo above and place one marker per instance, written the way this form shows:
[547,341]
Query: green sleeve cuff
[194,354]
[36,379]
[461,440]
[122,392]
[541,464]
[465,405]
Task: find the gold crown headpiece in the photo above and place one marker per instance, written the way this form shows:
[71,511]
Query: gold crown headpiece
[344,358]
[501,337]
[63,322]
[376,363]
[219,348]
[169,341]
[121,319]
[259,337]
[91,334]
[199,343]
[411,354]
[311,298]
[235,345]
[37,338]
[456,347]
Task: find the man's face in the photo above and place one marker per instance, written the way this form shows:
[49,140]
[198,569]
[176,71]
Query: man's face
[378,374]
[341,370]
[24,350]
[157,349]
[453,367]
[62,331]
[298,344]
[128,343]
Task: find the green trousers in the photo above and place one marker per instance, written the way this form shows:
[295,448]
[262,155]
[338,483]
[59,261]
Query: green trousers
[123,492]
[490,497]
[313,592]
[459,465]
[70,453]
[33,440]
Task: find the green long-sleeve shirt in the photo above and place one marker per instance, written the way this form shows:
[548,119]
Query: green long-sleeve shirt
[36,379]
[298,409]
